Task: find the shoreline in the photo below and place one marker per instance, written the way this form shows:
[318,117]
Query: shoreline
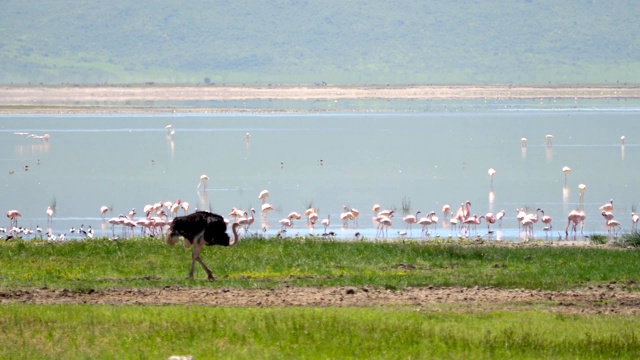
[83,99]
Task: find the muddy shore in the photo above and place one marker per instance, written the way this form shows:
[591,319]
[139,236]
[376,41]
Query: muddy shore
[113,99]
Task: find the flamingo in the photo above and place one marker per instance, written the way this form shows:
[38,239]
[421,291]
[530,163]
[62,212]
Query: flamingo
[263,195]
[611,226]
[203,182]
[582,188]
[446,210]
[294,215]
[308,212]
[411,219]
[566,170]
[13,216]
[103,211]
[608,206]
[313,218]
[520,215]
[573,219]
[384,223]
[286,222]
[622,140]
[355,214]
[326,222]
[185,207]
[500,216]
[489,219]
[425,221]
[345,216]
[607,215]
[472,221]
[434,220]
[527,226]
[546,219]
[634,221]
[247,220]
[523,142]
[491,173]
[548,139]
[49,215]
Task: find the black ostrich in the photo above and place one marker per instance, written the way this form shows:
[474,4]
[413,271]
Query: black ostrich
[199,229]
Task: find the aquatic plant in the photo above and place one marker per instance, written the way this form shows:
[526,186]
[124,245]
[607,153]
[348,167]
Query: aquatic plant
[599,239]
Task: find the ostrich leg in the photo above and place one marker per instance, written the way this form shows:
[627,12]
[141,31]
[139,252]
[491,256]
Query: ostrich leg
[196,257]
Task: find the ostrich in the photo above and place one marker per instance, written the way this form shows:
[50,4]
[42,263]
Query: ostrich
[199,229]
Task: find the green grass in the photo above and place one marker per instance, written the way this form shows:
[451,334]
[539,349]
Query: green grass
[126,332]
[449,331]
[264,263]
[630,239]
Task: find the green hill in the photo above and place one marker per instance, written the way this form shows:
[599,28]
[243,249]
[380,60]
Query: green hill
[315,41]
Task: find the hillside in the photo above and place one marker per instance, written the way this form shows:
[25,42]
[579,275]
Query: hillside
[307,42]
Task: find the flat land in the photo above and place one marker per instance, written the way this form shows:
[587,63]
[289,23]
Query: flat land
[606,299]
[113,99]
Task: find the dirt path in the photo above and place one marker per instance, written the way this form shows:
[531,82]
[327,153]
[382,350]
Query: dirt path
[609,299]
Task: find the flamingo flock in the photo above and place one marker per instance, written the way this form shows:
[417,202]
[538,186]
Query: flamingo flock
[158,216]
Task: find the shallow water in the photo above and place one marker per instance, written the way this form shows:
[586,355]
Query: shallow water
[421,159]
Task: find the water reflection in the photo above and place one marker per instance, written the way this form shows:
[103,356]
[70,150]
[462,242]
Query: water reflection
[492,200]
[548,151]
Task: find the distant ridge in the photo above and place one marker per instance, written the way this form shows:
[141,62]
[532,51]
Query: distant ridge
[323,42]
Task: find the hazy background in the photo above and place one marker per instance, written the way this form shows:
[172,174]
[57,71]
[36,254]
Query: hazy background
[316,42]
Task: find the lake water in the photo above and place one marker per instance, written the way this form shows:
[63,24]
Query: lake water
[421,159]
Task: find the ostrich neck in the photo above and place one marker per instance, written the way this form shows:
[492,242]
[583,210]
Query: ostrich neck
[234,229]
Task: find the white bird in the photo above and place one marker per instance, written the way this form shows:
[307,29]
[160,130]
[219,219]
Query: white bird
[491,173]
[548,139]
[203,182]
[264,195]
[566,170]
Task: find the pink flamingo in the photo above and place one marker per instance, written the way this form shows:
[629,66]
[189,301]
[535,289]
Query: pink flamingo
[410,220]
[634,221]
[13,216]
[611,226]
[434,220]
[446,210]
[356,214]
[607,215]
[384,223]
[500,216]
[572,219]
[326,222]
[308,213]
[546,220]
[247,220]
[489,219]
[425,221]
[345,216]
[103,211]
[608,206]
[49,215]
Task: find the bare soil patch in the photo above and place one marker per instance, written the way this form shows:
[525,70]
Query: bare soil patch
[606,299]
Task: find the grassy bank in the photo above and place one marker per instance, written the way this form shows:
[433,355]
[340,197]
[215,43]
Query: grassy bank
[259,263]
[112,332]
